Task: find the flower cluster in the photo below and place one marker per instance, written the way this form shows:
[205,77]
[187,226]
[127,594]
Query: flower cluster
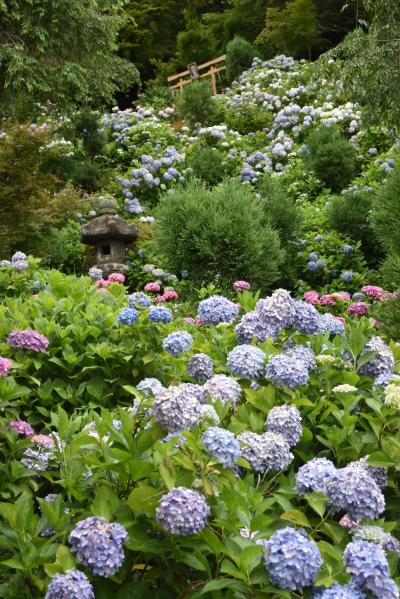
[177,408]
[182,512]
[380,366]
[314,476]
[368,565]
[150,386]
[128,316]
[223,388]
[72,585]
[139,299]
[266,452]
[287,371]
[306,318]
[241,286]
[5,365]
[28,339]
[222,445]
[177,343]
[160,314]
[246,361]
[98,545]
[21,427]
[292,559]
[286,421]
[217,309]
[200,367]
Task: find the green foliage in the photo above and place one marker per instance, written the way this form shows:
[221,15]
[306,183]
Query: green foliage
[219,236]
[63,52]
[292,29]
[331,157]
[248,120]
[239,56]
[197,105]
[350,214]
[207,166]
[388,312]
[194,45]
[158,96]
[65,252]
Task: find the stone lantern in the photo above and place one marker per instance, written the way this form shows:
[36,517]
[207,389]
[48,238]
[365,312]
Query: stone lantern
[111,235]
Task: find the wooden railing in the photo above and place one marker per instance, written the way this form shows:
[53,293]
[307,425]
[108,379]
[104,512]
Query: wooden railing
[177,82]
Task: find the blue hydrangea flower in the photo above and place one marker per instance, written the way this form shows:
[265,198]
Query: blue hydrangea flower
[292,559]
[286,421]
[139,299]
[200,367]
[223,388]
[98,545]
[160,314]
[287,371]
[18,256]
[182,512]
[222,445]
[128,316]
[36,459]
[5,263]
[375,534]
[311,265]
[177,343]
[353,490]
[369,567]
[95,273]
[217,309]
[72,585]
[347,276]
[277,311]
[330,324]
[306,318]
[150,386]
[347,249]
[358,296]
[303,353]
[378,473]
[313,256]
[252,326]
[380,366]
[246,361]
[314,476]
[266,452]
[20,265]
[337,591]
[177,408]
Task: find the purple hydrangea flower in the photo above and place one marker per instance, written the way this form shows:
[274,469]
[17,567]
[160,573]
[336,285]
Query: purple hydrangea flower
[36,459]
[20,265]
[292,559]
[286,421]
[375,534]
[150,386]
[330,324]
[199,392]
[369,567]
[277,311]
[72,585]
[21,427]
[287,371]
[337,591]
[223,388]
[28,339]
[303,353]
[177,408]
[314,476]
[98,545]
[18,256]
[307,319]
[200,367]
[160,314]
[5,365]
[252,326]
[177,343]
[182,512]
[128,316]
[266,452]
[95,273]
[247,362]
[139,299]
[380,366]
[353,490]
[222,445]
[217,309]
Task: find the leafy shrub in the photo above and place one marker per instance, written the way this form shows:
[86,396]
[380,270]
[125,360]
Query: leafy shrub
[385,221]
[249,120]
[238,56]
[66,252]
[86,128]
[158,96]
[350,214]
[88,175]
[207,165]
[197,105]
[331,157]
[218,236]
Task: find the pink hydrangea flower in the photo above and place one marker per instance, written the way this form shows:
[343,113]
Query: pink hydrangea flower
[341,319]
[160,299]
[21,427]
[343,295]
[153,287]
[347,522]
[196,321]
[28,339]
[311,297]
[102,290]
[327,300]
[241,286]
[44,440]
[116,277]
[358,309]
[373,291]
[5,365]
[378,324]
[170,295]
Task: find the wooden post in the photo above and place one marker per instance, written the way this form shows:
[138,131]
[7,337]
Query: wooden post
[180,85]
[213,81]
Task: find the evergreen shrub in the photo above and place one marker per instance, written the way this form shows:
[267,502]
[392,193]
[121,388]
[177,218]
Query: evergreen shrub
[238,56]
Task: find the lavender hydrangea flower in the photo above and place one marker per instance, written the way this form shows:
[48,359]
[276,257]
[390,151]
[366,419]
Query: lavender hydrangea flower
[200,367]
[36,460]
[252,326]
[286,421]
[222,445]
[337,591]
[246,361]
[150,386]
[182,512]
[160,314]
[95,273]
[266,452]
[217,309]
[277,311]
[5,263]
[197,390]
[314,476]
[177,343]
[139,299]
[72,585]
[330,324]
[28,339]
[208,415]
[18,256]
[306,319]
[380,367]
[375,534]
[223,388]
[303,353]
[176,408]
[128,316]
[368,565]
[353,490]
[378,473]
[292,559]
[22,427]
[98,545]
[287,371]
[20,265]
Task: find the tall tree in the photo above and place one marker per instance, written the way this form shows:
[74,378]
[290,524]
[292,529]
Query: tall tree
[62,51]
